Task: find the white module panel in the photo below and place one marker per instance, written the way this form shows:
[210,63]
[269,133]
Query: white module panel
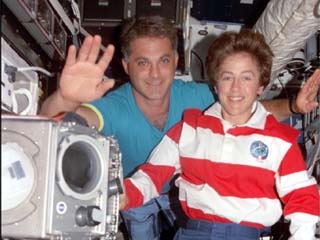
[19,90]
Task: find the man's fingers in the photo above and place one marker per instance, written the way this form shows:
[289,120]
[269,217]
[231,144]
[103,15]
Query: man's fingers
[123,201]
[312,83]
[71,56]
[85,48]
[106,57]
[315,78]
[95,49]
[317,75]
[104,86]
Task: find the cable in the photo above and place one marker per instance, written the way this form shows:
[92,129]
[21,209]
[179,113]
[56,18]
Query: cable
[75,9]
[76,12]
[39,69]
[285,91]
[11,70]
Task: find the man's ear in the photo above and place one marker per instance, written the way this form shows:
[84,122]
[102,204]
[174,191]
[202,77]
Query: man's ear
[125,65]
[176,59]
[260,90]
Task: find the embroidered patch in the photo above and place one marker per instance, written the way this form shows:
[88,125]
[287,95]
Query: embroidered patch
[259,150]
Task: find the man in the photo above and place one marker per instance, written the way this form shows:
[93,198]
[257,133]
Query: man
[140,112]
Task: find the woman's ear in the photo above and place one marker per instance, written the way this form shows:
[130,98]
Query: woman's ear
[214,85]
[260,90]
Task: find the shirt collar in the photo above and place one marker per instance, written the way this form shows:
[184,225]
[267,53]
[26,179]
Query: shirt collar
[257,120]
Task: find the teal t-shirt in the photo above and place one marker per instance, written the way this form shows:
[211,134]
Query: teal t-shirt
[136,136]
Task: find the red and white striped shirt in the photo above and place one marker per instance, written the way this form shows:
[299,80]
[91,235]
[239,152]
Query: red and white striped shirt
[240,174]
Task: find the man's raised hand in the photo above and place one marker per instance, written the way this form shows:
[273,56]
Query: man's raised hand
[82,76]
[306,99]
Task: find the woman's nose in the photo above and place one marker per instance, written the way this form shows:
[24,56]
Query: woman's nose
[235,83]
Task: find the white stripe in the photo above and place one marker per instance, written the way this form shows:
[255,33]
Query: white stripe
[258,210]
[288,183]
[143,182]
[302,226]
[166,154]
[230,149]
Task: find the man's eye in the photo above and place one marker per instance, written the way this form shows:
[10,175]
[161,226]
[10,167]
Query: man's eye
[142,63]
[165,60]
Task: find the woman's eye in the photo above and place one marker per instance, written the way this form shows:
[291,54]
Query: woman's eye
[226,78]
[247,78]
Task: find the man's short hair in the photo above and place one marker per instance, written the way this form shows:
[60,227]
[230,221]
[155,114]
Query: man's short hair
[149,26]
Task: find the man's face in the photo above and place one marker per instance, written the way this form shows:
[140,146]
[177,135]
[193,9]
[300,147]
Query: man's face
[237,86]
[151,67]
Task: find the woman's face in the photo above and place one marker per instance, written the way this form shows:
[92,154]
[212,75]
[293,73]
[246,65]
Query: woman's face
[237,86]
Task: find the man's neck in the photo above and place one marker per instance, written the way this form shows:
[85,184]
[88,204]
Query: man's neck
[156,111]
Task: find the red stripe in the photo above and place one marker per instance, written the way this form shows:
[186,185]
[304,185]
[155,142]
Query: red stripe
[158,174]
[194,118]
[272,129]
[191,116]
[281,130]
[198,214]
[175,132]
[230,179]
[135,198]
[292,161]
[214,124]
[302,200]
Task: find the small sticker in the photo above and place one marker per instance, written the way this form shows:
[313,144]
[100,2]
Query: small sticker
[61,207]
[18,170]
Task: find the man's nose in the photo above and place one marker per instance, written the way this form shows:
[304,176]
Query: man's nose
[154,70]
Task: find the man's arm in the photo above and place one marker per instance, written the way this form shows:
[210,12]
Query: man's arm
[56,104]
[81,80]
[278,107]
[304,103]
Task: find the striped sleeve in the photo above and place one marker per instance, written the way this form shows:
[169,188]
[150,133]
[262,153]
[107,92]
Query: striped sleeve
[162,164]
[298,191]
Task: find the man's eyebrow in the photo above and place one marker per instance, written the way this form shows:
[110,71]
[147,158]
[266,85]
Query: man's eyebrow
[147,59]
[166,55]
[140,58]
